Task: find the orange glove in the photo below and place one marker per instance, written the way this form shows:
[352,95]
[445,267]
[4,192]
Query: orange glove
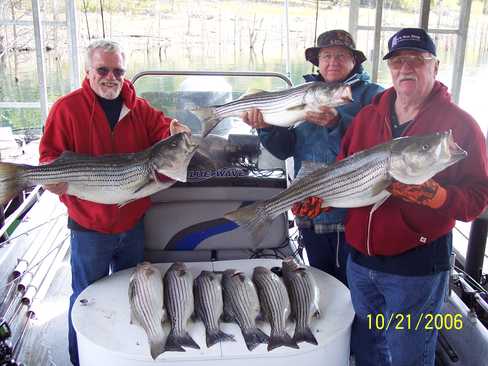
[310,207]
[429,194]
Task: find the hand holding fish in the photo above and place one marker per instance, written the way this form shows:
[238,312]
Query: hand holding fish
[176,127]
[430,193]
[327,117]
[310,207]
[59,188]
[254,118]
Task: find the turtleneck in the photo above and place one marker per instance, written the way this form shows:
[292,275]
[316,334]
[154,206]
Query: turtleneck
[111,108]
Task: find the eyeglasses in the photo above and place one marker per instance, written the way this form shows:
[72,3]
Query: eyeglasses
[328,57]
[415,61]
[104,71]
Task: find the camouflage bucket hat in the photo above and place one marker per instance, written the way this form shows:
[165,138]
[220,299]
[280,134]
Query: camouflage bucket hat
[334,38]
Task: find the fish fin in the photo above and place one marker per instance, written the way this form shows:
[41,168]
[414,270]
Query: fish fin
[132,295]
[218,336]
[174,342]
[157,347]
[253,337]
[260,317]
[122,204]
[68,155]
[304,335]
[251,92]
[10,182]
[207,117]
[380,187]
[142,186]
[282,339]
[253,218]
[201,162]
[296,107]
[316,314]
[308,167]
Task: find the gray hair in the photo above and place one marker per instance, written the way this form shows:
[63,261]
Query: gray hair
[104,44]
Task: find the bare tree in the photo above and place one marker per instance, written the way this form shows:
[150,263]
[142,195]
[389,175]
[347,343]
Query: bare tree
[253,31]
[85,10]
[103,20]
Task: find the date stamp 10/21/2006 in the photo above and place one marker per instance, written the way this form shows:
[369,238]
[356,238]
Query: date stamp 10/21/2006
[422,322]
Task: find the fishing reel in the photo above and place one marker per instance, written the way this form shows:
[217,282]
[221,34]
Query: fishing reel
[5,345]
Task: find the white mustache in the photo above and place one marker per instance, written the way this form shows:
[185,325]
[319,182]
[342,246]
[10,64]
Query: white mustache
[109,83]
[408,78]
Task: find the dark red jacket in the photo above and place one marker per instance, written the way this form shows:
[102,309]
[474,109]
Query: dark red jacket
[397,226]
[77,123]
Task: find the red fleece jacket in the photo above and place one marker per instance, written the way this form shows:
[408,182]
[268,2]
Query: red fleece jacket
[77,123]
[397,226]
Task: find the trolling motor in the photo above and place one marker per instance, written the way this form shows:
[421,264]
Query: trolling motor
[5,345]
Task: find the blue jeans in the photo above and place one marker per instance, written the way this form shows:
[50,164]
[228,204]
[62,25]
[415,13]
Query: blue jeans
[378,297]
[93,256]
[327,252]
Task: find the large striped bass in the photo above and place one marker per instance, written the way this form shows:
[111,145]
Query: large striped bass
[304,298]
[281,108]
[209,306]
[146,304]
[359,180]
[109,179]
[241,304]
[178,300]
[276,306]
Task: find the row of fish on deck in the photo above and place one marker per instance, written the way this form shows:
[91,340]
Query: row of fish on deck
[229,295]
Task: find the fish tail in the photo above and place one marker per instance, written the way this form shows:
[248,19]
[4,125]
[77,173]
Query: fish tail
[253,218]
[207,117]
[253,337]
[281,339]
[157,347]
[304,335]
[214,337]
[10,182]
[176,342]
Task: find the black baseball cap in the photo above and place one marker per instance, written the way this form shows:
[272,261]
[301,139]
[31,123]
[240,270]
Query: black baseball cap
[333,38]
[410,39]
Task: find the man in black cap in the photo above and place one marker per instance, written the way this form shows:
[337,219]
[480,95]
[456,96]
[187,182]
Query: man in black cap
[318,140]
[400,251]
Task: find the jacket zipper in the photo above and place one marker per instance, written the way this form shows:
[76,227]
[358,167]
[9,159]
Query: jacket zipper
[123,113]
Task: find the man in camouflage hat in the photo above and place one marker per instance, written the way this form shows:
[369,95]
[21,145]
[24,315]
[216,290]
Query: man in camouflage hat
[318,140]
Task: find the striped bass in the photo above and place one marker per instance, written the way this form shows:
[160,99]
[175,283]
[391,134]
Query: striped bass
[276,306]
[209,306]
[281,108]
[109,179]
[241,304]
[178,299]
[146,304]
[359,180]
[304,298]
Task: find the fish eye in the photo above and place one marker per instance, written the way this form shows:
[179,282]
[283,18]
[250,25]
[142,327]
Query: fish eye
[425,147]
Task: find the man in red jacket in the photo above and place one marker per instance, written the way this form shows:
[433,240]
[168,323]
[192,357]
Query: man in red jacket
[104,116]
[400,255]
